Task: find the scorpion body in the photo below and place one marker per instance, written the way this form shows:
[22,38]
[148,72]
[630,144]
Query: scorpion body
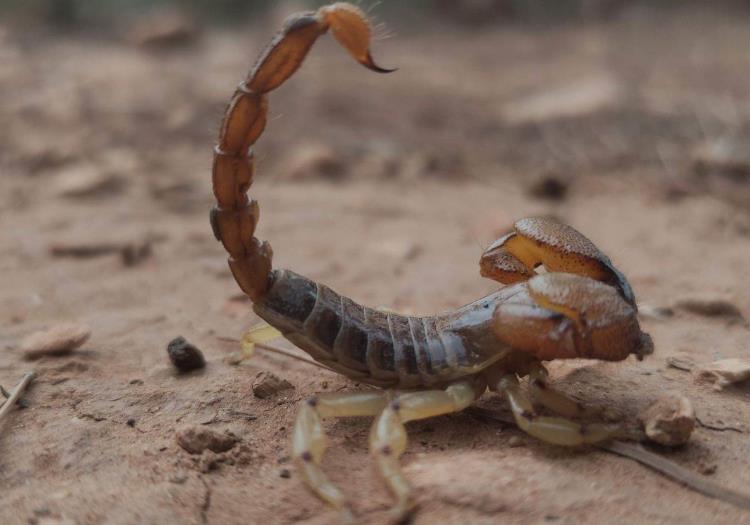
[382,348]
[581,307]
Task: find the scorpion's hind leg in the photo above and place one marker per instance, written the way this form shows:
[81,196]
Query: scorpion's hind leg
[555,430]
[309,440]
[388,436]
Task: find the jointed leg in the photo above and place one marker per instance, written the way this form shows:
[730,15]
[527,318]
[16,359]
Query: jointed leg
[555,430]
[551,398]
[309,440]
[388,436]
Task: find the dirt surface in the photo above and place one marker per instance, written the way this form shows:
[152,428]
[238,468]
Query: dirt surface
[106,153]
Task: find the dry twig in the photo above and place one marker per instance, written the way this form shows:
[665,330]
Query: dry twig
[658,463]
[15,395]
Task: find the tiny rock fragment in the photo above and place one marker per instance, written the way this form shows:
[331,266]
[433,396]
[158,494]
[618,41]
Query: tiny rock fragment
[709,307]
[133,253]
[185,356]
[268,385]
[82,181]
[655,313]
[85,250]
[727,156]
[167,28]
[681,363]
[669,421]
[724,372]
[59,340]
[314,161]
[576,98]
[549,186]
[196,439]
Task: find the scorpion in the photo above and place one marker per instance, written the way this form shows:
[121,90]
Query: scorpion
[579,306]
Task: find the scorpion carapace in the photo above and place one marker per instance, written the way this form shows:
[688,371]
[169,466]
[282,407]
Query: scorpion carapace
[582,306]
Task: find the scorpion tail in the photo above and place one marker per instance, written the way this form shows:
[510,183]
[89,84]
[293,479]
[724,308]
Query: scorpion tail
[235,216]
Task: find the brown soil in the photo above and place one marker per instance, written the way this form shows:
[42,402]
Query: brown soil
[437,161]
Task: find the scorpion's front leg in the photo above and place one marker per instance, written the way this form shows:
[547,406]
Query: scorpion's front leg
[309,440]
[553,399]
[388,436]
[555,430]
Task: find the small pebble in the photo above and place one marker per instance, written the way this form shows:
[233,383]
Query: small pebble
[709,307]
[655,313]
[179,478]
[669,421]
[515,442]
[285,473]
[184,356]
[724,372]
[59,340]
[196,439]
[684,363]
[314,161]
[268,385]
[549,187]
[130,422]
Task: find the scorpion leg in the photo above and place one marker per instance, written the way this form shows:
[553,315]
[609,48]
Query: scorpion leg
[388,436]
[309,440]
[555,430]
[551,398]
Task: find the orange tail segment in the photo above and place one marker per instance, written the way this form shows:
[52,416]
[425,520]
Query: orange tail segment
[235,216]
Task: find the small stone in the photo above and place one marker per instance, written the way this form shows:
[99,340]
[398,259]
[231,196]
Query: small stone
[515,442]
[59,340]
[680,362]
[83,181]
[669,421]
[166,28]
[655,313]
[724,372]
[709,307]
[130,422]
[285,473]
[727,156]
[314,161]
[179,478]
[195,439]
[184,356]
[133,253]
[708,469]
[268,385]
[549,186]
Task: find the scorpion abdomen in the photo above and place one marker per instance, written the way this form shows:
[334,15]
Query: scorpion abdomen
[374,346]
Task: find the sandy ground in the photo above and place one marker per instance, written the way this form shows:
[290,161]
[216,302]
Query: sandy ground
[436,163]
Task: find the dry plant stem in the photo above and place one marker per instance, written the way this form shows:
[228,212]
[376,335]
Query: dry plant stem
[658,463]
[678,473]
[279,351]
[15,395]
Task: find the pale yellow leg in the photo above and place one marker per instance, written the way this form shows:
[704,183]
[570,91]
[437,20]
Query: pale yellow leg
[388,436]
[555,430]
[309,440]
[551,398]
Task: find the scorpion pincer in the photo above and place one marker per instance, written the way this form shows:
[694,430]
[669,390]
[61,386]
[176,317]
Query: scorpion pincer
[580,307]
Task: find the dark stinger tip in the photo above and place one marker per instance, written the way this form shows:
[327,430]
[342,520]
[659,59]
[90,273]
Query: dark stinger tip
[370,64]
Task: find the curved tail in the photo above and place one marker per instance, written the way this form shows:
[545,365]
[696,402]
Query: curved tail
[235,216]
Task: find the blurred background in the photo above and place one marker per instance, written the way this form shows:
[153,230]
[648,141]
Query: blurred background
[628,119]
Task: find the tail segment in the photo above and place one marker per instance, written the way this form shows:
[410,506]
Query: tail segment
[235,216]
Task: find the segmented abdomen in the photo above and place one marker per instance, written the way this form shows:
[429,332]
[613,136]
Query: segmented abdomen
[379,347]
